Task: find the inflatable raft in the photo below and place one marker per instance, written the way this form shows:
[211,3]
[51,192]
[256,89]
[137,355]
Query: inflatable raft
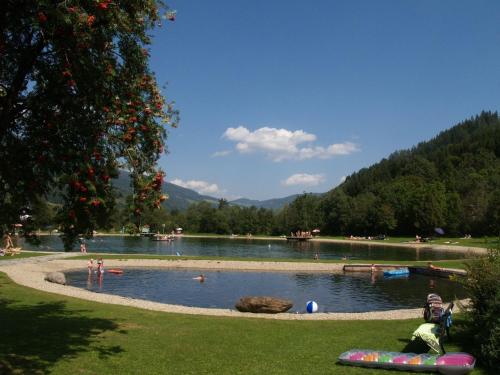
[448,364]
[397,272]
[115,271]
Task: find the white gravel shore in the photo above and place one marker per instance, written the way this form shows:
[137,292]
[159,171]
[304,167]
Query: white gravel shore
[31,272]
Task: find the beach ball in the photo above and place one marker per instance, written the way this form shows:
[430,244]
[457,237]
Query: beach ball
[311,307]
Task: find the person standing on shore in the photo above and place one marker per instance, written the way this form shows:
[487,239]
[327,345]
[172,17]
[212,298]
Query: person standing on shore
[7,240]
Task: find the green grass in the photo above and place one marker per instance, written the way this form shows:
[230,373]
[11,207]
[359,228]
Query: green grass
[23,254]
[458,263]
[482,242]
[47,333]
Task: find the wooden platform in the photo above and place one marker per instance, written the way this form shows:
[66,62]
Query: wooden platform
[294,238]
[368,267]
[437,272]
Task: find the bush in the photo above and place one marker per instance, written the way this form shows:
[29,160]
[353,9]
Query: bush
[483,313]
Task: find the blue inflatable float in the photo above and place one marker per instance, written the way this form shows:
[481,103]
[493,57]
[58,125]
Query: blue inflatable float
[397,272]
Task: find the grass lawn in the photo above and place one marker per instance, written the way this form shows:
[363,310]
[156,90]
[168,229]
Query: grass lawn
[46,333]
[23,254]
[483,242]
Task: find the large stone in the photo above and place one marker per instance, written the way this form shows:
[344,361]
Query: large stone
[56,277]
[267,305]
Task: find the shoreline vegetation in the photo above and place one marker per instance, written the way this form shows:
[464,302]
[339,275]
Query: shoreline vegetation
[479,245]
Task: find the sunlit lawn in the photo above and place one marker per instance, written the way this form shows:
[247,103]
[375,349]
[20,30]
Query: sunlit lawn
[483,242]
[46,333]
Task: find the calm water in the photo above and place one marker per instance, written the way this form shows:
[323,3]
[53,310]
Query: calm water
[357,292]
[247,248]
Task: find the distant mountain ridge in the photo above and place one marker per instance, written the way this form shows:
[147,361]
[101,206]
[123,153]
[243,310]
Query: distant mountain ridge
[273,204]
[180,198]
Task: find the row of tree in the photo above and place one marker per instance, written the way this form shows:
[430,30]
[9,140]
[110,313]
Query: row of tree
[451,182]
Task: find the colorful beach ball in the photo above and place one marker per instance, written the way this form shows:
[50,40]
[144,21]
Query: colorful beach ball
[311,307]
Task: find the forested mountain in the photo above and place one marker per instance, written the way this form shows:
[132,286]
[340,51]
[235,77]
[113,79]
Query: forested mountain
[451,182]
[179,198]
[273,204]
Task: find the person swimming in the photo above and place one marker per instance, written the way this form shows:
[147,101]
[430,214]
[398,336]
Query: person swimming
[200,278]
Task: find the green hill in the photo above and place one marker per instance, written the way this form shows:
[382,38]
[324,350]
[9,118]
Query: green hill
[450,182]
[273,204]
[179,198]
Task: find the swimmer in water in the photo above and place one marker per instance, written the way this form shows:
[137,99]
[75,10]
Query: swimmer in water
[200,278]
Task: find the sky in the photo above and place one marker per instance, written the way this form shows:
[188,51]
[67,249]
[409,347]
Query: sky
[281,97]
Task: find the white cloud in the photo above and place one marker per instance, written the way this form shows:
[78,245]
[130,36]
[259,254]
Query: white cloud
[304,179]
[342,179]
[221,153]
[201,187]
[283,144]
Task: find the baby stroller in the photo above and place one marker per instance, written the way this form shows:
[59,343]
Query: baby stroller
[431,335]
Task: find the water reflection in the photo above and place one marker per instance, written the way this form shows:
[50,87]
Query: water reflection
[355,292]
[248,248]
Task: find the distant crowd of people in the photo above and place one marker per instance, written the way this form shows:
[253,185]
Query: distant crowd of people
[300,233]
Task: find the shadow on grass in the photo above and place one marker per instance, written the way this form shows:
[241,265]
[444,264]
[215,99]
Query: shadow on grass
[34,337]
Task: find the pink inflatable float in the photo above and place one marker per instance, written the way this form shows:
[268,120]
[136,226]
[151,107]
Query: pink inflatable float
[448,364]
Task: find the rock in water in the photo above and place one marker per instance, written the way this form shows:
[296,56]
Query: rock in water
[267,305]
[56,277]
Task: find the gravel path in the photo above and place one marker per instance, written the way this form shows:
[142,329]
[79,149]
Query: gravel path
[31,272]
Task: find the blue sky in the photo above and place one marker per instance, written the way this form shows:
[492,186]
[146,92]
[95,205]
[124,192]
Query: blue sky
[281,97]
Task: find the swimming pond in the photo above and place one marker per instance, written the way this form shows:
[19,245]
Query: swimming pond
[356,292]
[247,248]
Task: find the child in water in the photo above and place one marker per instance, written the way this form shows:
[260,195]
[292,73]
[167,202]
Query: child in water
[90,265]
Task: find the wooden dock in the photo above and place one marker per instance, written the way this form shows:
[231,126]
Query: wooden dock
[437,272]
[368,267]
[295,238]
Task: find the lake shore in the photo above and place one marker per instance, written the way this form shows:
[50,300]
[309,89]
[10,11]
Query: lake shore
[32,274]
[410,244]
[465,248]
